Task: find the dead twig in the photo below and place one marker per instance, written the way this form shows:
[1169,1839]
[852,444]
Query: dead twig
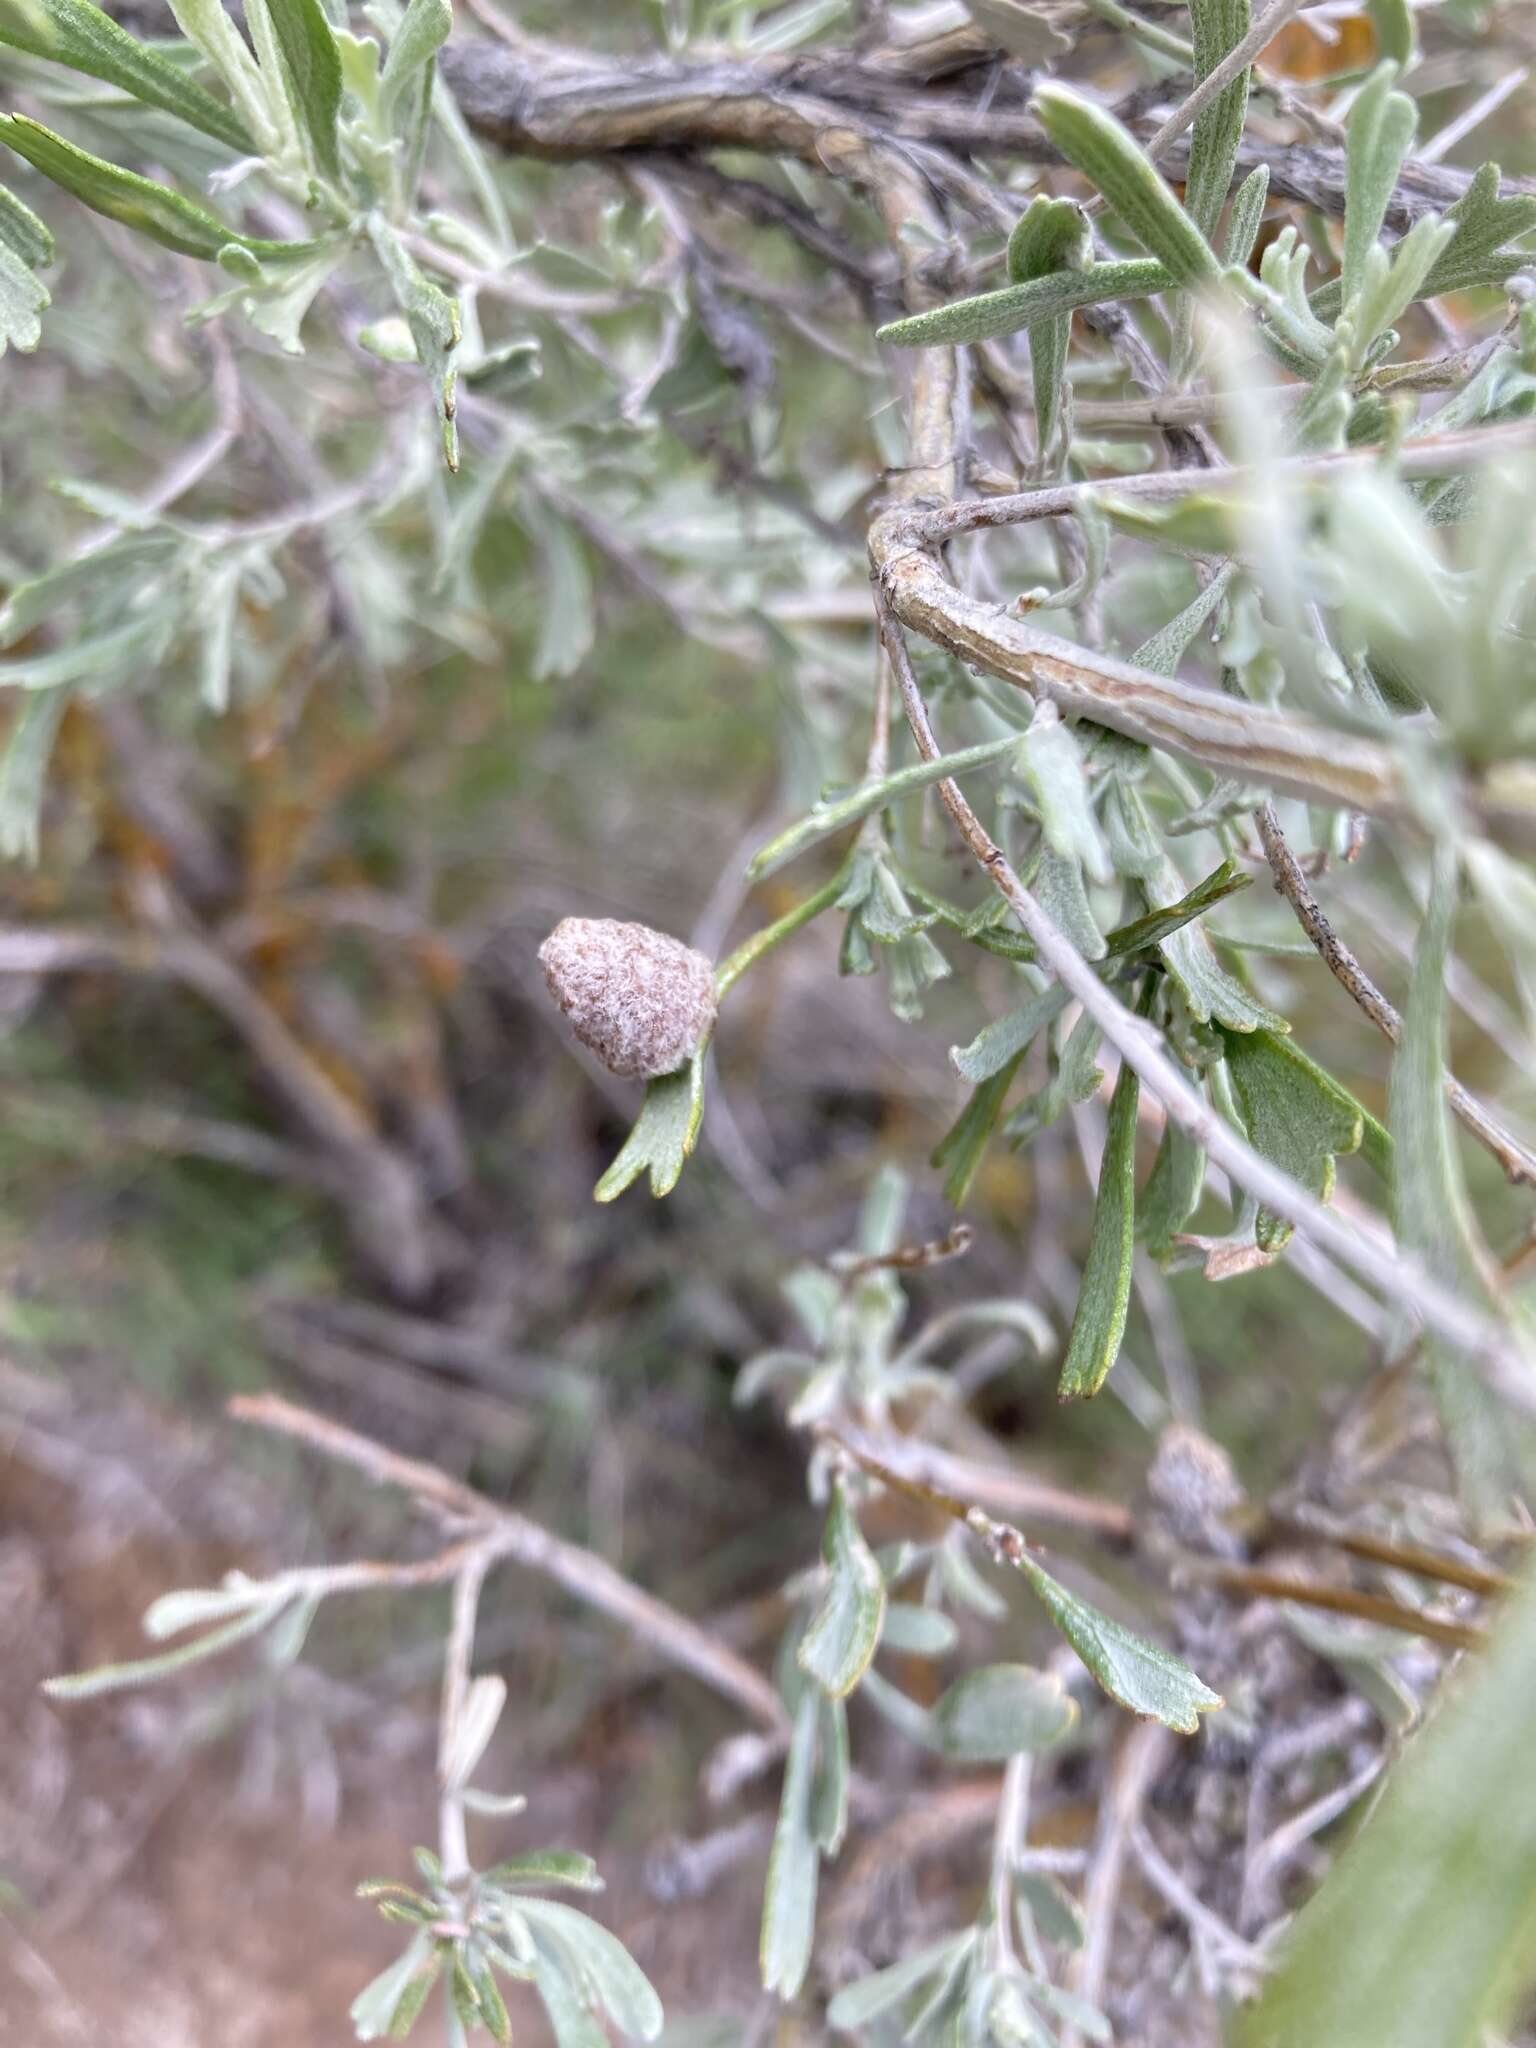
[1518,1162]
[505,1533]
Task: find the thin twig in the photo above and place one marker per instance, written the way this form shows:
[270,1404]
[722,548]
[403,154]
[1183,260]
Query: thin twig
[1272,1855]
[458,1659]
[1374,1607]
[512,1535]
[1518,1162]
[1201,1920]
[1488,1344]
[1140,1757]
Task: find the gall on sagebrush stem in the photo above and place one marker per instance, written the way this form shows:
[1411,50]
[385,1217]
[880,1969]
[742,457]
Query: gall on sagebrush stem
[642,1002]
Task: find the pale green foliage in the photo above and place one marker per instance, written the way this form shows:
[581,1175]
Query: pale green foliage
[1386,601]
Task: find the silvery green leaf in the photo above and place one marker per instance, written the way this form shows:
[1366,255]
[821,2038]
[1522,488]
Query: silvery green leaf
[1098,1323]
[1392,21]
[1218,26]
[859,2004]
[423,31]
[761,1372]
[311,65]
[845,1629]
[1157,925]
[1208,989]
[95,660]
[85,1685]
[789,1897]
[1298,1117]
[1382,125]
[1173,1190]
[1023,31]
[903,1714]
[408,2006]
[494,1805]
[961,1581]
[431,315]
[22,232]
[824,818]
[76,33]
[815,1295]
[883,1211]
[960,1151]
[1051,764]
[1485,224]
[1002,1710]
[664,1134]
[374,2006]
[287,1636]
[1076,1079]
[193,1605]
[1434,1218]
[1139,1675]
[1050,235]
[219,605]
[990,314]
[1063,895]
[1112,161]
[277,309]
[23,297]
[1506,891]
[1077,2012]
[600,1964]
[1246,218]
[23,769]
[1169,645]
[1056,1913]
[999,1044]
[209,27]
[1294,329]
[571,2021]
[476,1724]
[139,203]
[918,1631]
[829,1794]
[542,1868]
[567,626]
[1390,283]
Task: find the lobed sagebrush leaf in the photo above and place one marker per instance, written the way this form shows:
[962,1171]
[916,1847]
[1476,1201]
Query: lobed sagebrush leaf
[1297,1116]
[1382,125]
[1137,1674]
[665,1132]
[1188,954]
